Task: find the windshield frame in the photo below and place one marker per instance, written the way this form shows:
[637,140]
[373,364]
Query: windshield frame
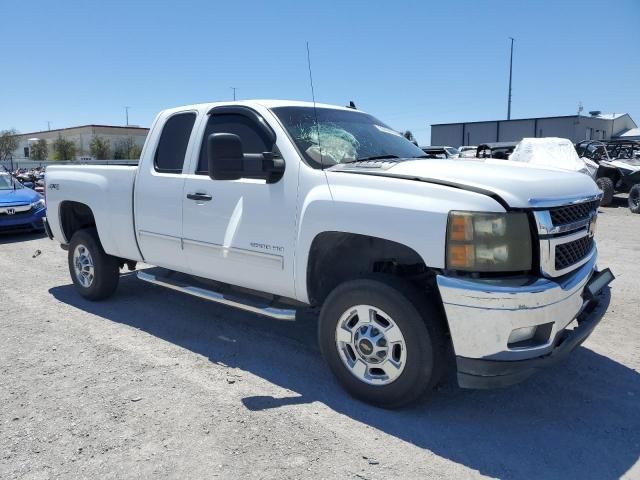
[318,165]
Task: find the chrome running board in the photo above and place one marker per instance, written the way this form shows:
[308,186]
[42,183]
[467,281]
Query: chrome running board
[248,305]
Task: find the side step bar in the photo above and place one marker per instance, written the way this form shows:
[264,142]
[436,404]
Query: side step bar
[236,302]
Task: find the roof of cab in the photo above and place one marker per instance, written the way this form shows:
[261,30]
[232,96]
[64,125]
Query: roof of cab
[248,103]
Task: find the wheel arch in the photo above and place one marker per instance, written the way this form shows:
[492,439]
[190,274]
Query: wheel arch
[335,257]
[75,216]
[609,172]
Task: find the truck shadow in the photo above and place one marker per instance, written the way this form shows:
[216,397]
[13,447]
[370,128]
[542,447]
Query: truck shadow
[580,420]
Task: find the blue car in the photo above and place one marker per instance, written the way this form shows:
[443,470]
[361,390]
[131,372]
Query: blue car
[20,207]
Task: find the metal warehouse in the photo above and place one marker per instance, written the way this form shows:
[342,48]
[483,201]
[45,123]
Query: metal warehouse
[596,126]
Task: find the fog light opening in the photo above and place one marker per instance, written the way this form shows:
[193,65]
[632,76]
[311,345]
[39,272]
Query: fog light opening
[522,334]
[528,337]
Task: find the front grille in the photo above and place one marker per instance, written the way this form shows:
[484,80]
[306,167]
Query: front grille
[570,253]
[26,213]
[573,213]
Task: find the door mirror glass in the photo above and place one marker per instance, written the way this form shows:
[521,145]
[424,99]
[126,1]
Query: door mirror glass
[224,152]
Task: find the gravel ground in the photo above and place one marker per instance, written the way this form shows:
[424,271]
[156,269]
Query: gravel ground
[155,383]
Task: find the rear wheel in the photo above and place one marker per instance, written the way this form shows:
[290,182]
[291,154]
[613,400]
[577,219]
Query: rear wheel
[606,185]
[95,274]
[634,198]
[382,340]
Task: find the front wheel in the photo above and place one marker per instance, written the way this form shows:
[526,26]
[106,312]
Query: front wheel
[382,340]
[634,198]
[95,274]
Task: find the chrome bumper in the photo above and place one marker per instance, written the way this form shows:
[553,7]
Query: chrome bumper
[483,313]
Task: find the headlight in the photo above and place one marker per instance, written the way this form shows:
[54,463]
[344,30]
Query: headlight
[38,204]
[488,242]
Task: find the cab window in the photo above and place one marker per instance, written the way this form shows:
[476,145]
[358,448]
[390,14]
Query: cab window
[172,146]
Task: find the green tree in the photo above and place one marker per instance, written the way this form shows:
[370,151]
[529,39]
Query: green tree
[408,135]
[64,149]
[39,150]
[8,143]
[135,152]
[100,147]
[127,149]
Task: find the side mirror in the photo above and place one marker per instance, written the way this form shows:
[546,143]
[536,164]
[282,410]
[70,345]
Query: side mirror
[224,152]
[227,162]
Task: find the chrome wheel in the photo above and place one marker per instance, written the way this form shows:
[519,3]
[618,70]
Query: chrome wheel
[83,266]
[371,345]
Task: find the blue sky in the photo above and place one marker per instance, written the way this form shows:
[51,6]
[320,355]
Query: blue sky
[409,63]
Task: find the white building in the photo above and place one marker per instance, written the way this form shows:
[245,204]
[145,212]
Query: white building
[81,136]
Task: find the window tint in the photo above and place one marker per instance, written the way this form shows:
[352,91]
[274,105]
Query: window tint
[254,139]
[172,146]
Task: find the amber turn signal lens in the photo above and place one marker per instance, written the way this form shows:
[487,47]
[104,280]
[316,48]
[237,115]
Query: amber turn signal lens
[461,256]
[461,228]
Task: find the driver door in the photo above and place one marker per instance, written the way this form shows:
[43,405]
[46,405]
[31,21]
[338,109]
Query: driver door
[240,232]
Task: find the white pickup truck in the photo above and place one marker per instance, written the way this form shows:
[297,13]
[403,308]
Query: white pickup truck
[417,264]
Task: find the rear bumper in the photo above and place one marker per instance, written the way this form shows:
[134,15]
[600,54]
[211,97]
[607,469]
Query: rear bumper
[32,220]
[484,316]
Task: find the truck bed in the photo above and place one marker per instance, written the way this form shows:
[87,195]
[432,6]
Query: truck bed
[108,191]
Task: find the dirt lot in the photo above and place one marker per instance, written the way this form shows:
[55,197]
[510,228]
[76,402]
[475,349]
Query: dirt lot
[153,383]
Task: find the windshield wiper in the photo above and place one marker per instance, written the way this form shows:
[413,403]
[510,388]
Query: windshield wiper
[373,157]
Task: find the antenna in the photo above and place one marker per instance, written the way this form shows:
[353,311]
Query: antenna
[313,97]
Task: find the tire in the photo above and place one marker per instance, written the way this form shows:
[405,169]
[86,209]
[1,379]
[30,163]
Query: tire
[606,185]
[634,198]
[95,274]
[421,353]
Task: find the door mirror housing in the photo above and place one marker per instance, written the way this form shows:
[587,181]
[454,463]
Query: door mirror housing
[224,153]
[226,160]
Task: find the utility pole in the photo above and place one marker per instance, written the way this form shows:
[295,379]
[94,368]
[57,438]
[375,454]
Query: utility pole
[510,77]
[126,112]
[48,125]
[234,92]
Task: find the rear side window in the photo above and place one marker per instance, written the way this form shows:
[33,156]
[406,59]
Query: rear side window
[253,137]
[172,146]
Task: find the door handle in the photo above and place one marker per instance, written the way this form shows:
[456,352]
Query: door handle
[203,197]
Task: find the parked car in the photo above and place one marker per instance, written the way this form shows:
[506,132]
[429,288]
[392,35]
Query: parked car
[499,150]
[618,169]
[20,207]
[441,152]
[270,206]
[467,151]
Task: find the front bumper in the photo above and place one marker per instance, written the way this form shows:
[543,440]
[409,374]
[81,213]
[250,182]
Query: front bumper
[483,313]
[31,220]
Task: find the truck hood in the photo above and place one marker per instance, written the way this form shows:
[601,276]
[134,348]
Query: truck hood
[19,196]
[519,185]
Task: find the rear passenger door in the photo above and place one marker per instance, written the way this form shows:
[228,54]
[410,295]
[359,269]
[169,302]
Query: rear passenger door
[158,192]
